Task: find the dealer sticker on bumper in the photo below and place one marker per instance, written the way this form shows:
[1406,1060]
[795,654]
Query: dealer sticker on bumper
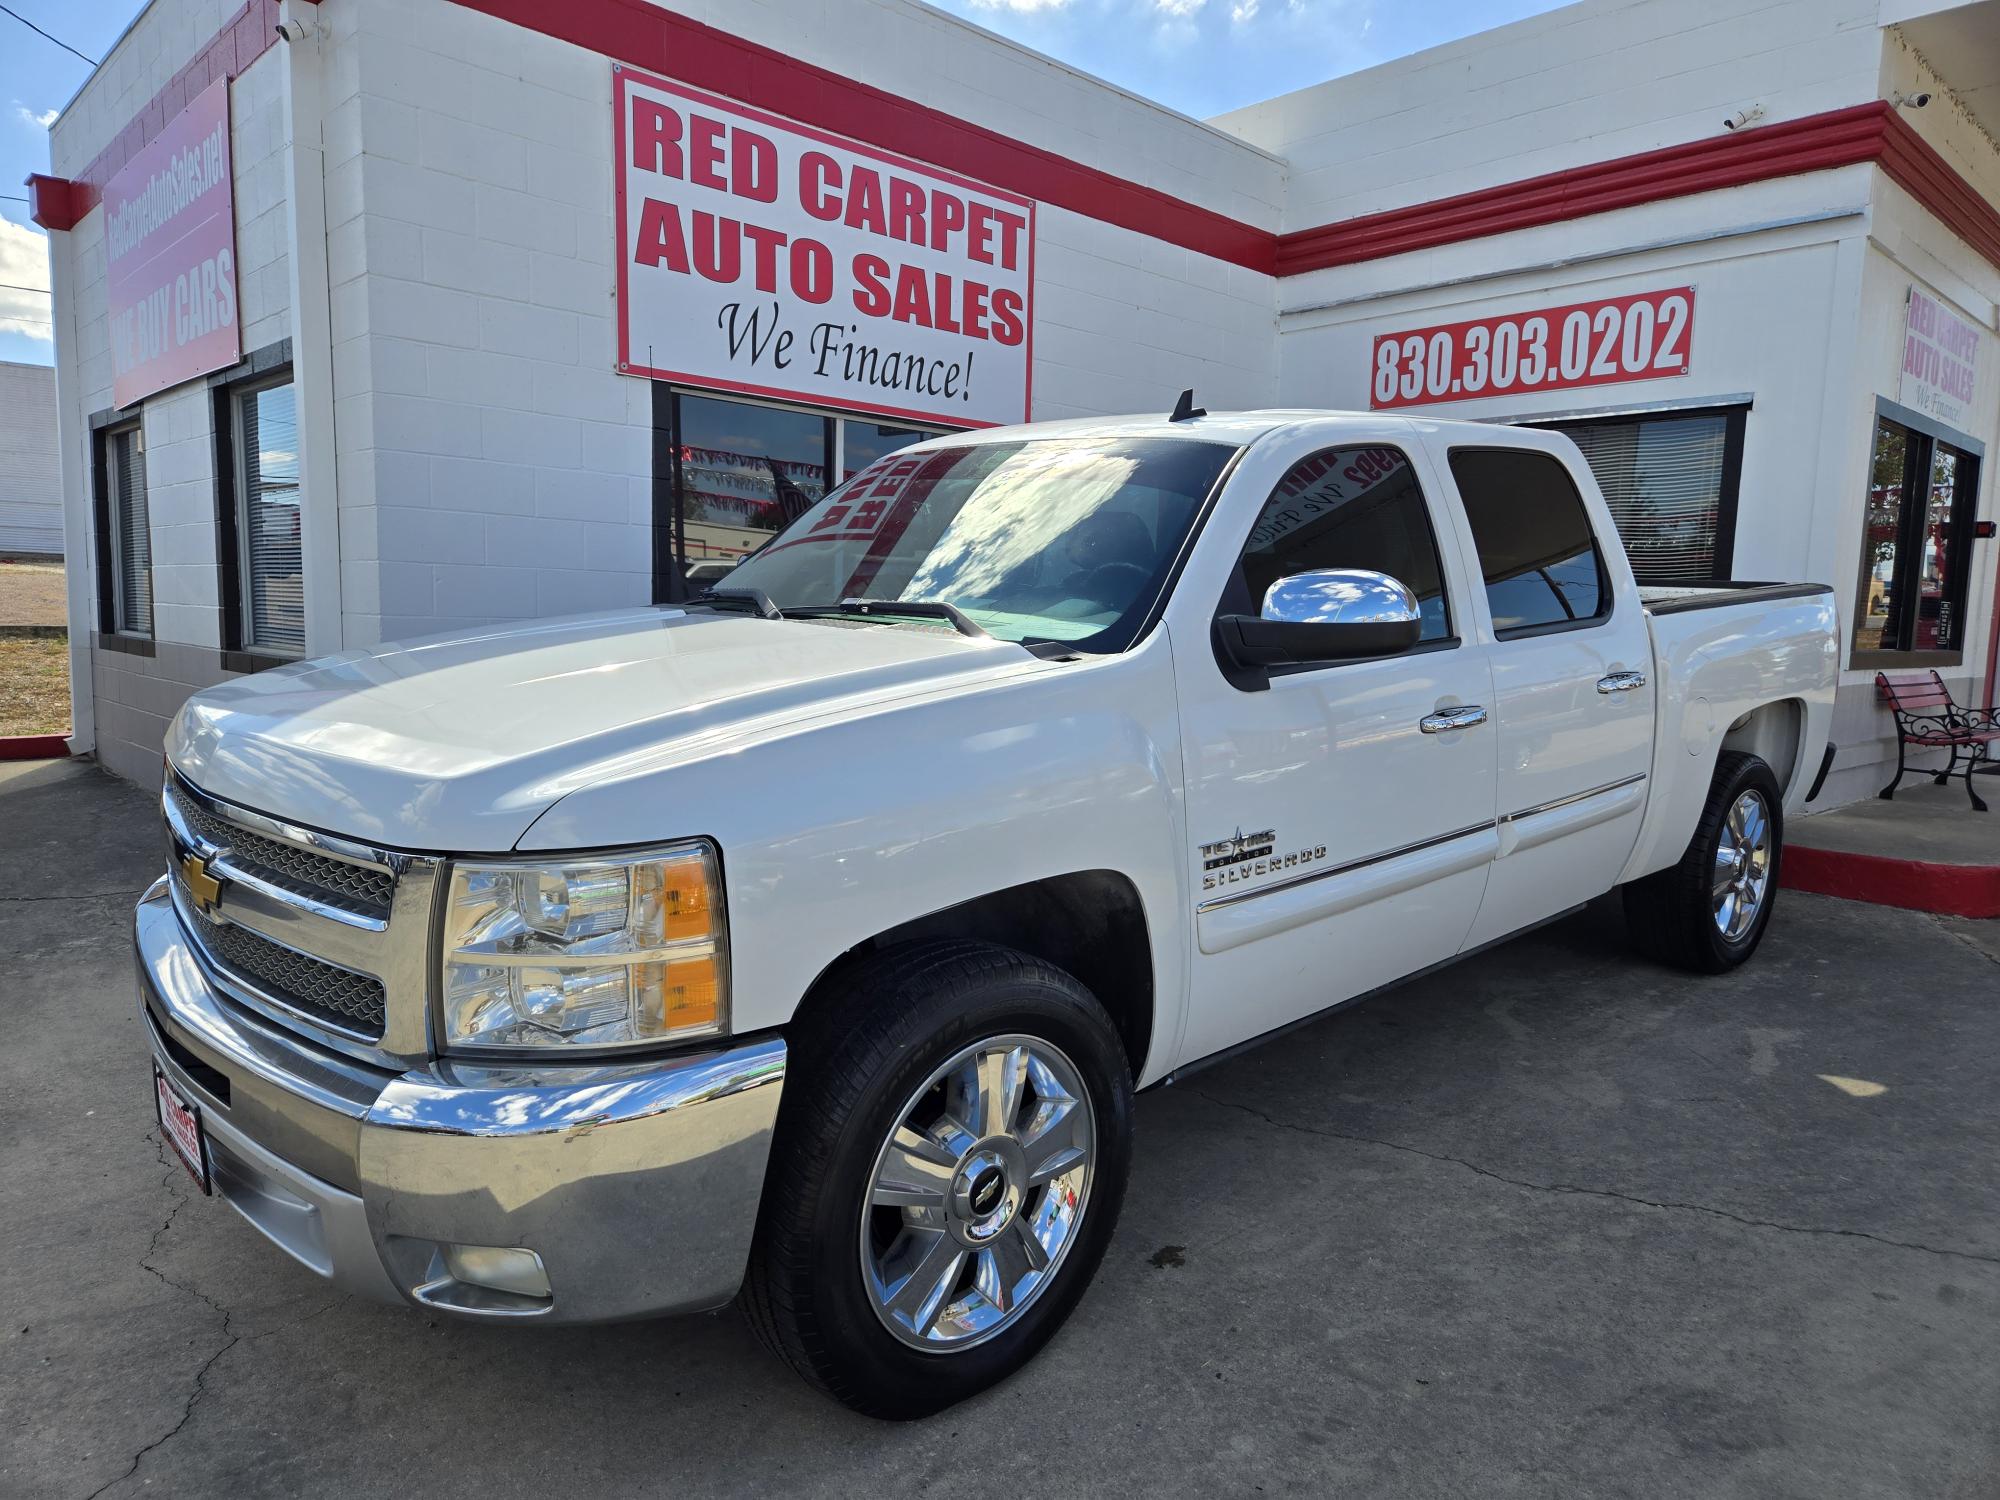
[180,1122]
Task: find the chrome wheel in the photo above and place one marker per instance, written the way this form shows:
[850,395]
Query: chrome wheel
[978,1193]
[1742,866]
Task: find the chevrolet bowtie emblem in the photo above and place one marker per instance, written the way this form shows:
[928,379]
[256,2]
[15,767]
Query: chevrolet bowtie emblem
[202,886]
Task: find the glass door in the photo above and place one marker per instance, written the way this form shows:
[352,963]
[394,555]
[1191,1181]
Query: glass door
[1916,549]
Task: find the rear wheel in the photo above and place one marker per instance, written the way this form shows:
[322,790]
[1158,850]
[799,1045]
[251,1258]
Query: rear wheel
[1709,912]
[950,1161]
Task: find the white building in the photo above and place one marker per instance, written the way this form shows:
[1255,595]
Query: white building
[31,509]
[529,316]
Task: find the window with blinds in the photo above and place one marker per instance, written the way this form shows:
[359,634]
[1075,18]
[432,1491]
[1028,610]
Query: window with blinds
[270,571]
[131,535]
[1670,481]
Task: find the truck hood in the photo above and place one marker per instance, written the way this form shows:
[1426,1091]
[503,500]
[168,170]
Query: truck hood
[459,743]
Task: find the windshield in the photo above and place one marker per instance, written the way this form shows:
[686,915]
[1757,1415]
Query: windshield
[1054,540]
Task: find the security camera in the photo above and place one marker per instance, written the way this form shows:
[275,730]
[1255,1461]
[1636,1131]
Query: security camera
[1743,117]
[292,31]
[1910,101]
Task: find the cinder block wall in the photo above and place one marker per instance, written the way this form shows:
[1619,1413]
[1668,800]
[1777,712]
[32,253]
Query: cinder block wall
[138,688]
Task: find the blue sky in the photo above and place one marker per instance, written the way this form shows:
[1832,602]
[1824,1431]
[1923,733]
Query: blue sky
[1200,56]
[1206,56]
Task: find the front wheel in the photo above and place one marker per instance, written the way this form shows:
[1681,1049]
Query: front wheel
[1709,912]
[951,1157]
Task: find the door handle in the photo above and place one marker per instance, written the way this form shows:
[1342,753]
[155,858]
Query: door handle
[1447,719]
[1621,682]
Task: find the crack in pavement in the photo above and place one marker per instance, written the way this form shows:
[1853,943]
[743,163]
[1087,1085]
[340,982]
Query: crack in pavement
[1588,1192]
[230,1338]
[172,1183]
[1964,940]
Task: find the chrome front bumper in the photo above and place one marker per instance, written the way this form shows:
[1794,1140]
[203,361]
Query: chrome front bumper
[637,1184]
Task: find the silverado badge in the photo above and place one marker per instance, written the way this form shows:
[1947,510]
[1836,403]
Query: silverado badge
[1250,856]
[205,888]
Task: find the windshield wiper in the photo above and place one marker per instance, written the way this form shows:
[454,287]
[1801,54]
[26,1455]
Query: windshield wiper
[924,609]
[756,601]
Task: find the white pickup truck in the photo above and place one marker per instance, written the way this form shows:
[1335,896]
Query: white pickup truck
[805,944]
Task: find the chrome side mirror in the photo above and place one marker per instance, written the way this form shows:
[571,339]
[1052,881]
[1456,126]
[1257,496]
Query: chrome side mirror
[1341,596]
[1329,614]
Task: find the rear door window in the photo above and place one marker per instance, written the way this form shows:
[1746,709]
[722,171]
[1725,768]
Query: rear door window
[1536,549]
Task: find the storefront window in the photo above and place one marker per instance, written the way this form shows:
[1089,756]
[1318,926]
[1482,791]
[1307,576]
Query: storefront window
[742,472]
[126,528]
[1670,482]
[269,571]
[1922,490]
[862,442]
[745,473]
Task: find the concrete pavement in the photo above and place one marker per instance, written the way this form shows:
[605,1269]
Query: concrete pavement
[1553,1222]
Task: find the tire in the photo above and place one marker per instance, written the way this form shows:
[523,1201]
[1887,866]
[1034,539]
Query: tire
[863,1060]
[1673,916]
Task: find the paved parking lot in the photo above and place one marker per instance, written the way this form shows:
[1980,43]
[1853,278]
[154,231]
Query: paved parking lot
[1551,1223]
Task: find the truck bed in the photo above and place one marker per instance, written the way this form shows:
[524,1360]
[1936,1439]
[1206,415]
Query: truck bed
[1673,599]
[1721,651]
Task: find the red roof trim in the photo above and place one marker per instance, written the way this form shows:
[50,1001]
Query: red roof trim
[1839,138]
[1915,165]
[676,47]
[643,34]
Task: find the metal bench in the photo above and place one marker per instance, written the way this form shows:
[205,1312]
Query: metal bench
[1927,717]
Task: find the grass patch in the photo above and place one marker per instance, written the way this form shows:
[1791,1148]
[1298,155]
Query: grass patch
[34,686]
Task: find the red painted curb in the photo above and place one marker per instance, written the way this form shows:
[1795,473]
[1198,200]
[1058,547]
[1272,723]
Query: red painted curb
[33,746]
[1914,884]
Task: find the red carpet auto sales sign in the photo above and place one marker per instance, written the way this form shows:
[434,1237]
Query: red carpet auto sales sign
[170,240]
[763,256]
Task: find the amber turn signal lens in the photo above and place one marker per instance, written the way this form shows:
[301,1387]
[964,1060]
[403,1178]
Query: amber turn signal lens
[685,995]
[679,894]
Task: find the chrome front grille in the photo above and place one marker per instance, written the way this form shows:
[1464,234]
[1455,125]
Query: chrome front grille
[357,888]
[322,934]
[338,997]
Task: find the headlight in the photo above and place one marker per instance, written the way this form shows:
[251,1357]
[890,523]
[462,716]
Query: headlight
[616,951]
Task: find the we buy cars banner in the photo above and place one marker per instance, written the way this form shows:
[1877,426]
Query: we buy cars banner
[170,240]
[1642,337]
[762,256]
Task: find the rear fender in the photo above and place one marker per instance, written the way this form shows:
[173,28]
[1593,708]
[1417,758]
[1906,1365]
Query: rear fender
[1755,676]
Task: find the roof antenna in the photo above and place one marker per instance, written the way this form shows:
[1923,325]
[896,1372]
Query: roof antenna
[1185,409]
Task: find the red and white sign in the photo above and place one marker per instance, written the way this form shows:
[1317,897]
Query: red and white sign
[763,256]
[1644,337]
[170,242]
[1940,361]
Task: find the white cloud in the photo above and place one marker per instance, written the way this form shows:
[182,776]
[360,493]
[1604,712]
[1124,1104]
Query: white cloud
[1021,5]
[1242,11]
[40,119]
[24,261]
[1178,8]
